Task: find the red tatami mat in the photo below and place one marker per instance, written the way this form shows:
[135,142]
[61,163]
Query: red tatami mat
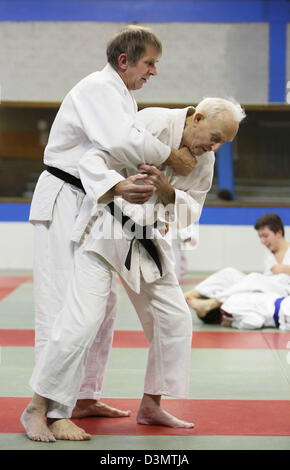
[17,338]
[201,339]
[9,283]
[211,418]
[213,339]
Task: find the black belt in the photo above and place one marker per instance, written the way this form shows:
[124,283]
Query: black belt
[64,176]
[140,231]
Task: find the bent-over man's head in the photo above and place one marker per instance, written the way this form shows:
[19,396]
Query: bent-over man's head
[214,122]
[133,53]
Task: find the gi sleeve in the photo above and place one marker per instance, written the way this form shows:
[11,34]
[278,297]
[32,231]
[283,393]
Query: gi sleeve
[95,175]
[252,321]
[105,118]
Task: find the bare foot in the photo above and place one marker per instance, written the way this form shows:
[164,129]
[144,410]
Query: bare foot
[86,408]
[192,294]
[202,306]
[150,412]
[197,304]
[65,429]
[34,423]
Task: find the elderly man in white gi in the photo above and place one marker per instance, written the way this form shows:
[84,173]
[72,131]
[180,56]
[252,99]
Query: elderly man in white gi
[99,112]
[149,279]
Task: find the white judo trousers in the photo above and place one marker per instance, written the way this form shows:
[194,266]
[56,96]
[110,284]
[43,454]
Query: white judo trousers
[53,254]
[180,259]
[162,311]
[213,287]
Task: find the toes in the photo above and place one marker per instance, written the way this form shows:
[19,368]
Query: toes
[41,438]
[72,436]
[185,424]
[80,437]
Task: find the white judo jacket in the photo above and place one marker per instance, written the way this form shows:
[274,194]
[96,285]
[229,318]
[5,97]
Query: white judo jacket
[271,261]
[256,310]
[102,234]
[97,113]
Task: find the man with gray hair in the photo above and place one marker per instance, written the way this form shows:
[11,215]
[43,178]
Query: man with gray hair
[146,267]
[98,112]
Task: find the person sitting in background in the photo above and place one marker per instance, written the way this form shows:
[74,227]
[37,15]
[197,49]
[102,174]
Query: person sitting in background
[230,297]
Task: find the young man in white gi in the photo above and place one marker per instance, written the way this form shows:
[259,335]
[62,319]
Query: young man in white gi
[237,300]
[98,112]
[153,289]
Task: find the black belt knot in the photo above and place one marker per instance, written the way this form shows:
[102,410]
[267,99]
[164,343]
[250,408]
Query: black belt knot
[141,233]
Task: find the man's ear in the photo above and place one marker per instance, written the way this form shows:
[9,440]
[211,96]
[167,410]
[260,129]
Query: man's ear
[123,61]
[198,117]
[280,233]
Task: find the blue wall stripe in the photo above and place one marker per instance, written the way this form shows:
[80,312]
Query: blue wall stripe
[225,167]
[144,10]
[14,212]
[240,215]
[211,215]
[277,61]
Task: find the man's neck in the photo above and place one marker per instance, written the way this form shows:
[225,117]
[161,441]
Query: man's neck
[188,120]
[123,76]
[282,247]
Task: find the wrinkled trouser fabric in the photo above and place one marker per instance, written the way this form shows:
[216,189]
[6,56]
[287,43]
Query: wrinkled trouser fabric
[163,313]
[216,284]
[229,281]
[53,264]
